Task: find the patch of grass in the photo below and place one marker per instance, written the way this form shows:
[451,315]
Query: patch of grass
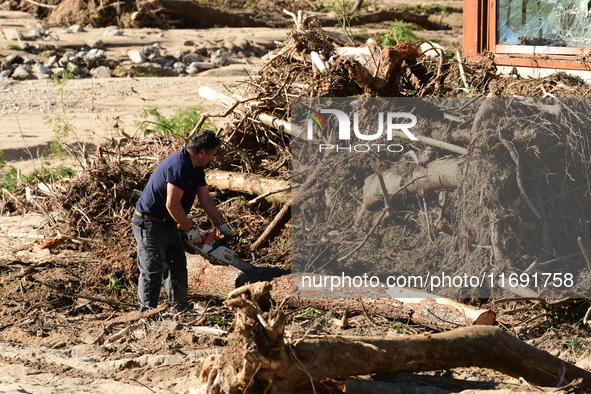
[10,179]
[182,122]
[14,47]
[2,161]
[399,32]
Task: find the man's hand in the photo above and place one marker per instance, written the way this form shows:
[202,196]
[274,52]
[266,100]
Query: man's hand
[193,235]
[225,229]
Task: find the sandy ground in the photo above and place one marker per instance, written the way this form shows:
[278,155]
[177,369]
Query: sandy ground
[38,364]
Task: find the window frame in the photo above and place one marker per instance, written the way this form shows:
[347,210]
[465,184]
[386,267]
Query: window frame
[480,42]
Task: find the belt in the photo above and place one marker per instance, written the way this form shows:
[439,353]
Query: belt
[145,216]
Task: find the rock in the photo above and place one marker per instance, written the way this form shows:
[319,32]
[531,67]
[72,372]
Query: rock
[191,59]
[151,51]
[35,32]
[93,57]
[95,44]
[218,58]
[41,72]
[136,57]
[188,43]
[76,29]
[4,75]
[52,61]
[57,70]
[191,70]
[101,72]
[13,34]
[113,31]
[179,67]
[15,59]
[242,44]
[74,69]
[54,37]
[22,72]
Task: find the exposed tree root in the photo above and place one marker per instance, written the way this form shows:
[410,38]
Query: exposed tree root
[260,359]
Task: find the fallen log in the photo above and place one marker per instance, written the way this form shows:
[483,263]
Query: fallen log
[260,358]
[204,13]
[218,17]
[385,16]
[399,304]
[274,227]
[251,184]
[437,175]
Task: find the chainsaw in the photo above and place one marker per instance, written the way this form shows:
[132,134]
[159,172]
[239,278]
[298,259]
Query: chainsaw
[217,251]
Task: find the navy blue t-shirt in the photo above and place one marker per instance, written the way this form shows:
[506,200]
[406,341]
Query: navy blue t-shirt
[178,170]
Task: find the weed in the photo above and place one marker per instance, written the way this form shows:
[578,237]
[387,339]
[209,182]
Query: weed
[402,328]
[578,345]
[14,47]
[115,284]
[214,320]
[11,178]
[182,122]
[62,129]
[2,162]
[399,32]
[343,18]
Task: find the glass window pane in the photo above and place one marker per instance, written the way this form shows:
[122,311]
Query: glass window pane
[558,23]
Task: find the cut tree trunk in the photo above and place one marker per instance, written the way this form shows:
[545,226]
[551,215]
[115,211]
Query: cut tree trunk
[251,184]
[437,175]
[259,358]
[400,304]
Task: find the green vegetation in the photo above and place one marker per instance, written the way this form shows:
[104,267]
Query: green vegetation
[11,178]
[341,9]
[180,124]
[115,284]
[14,47]
[399,32]
[62,129]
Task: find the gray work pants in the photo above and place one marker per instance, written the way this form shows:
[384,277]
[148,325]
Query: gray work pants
[160,256]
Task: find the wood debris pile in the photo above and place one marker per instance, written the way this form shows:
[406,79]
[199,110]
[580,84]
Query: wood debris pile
[516,170]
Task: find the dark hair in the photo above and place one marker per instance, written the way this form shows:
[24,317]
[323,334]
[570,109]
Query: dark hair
[204,140]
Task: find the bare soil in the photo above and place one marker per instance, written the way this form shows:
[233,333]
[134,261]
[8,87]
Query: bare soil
[53,341]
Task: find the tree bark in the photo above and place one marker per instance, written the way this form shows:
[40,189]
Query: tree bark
[437,175]
[259,358]
[400,304]
[251,184]
[204,13]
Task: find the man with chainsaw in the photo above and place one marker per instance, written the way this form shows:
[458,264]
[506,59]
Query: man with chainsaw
[162,211]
